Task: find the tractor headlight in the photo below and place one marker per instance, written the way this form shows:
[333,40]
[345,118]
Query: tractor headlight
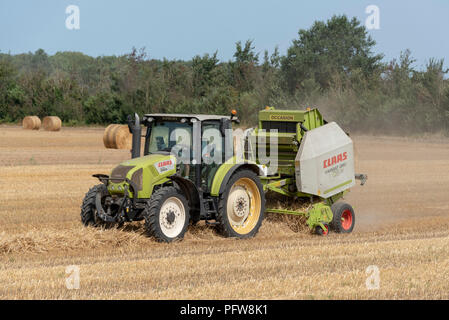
[120,188]
[112,188]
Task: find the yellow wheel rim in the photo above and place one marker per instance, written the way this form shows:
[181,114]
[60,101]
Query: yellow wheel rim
[243,206]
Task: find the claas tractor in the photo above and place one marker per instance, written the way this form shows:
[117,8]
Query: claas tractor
[194,167]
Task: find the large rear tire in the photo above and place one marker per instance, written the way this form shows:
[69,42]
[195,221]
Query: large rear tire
[241,207]
[167,215]
[343,220]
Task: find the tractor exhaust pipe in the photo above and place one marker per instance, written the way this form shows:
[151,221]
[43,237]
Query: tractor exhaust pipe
[136,131]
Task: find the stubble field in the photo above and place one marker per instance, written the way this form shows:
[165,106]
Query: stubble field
[402,220]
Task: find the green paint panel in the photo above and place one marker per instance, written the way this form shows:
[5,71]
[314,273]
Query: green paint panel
[150,175]
[287,141]
[224,169]
[312,118]
[339,186]
[281,115]
[319,213]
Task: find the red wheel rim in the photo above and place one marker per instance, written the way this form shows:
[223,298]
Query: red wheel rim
[325,230]
[346,219]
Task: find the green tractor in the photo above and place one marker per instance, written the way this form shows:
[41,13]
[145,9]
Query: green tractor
[194,168]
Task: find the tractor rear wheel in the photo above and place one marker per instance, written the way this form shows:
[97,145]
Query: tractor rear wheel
[241,207]
[167,215]
[344,217]
[89,214]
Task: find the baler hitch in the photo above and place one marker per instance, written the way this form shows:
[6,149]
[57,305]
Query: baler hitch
[362,177]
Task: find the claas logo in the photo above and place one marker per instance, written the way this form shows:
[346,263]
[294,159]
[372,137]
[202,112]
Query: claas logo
[164,163]
[335,159]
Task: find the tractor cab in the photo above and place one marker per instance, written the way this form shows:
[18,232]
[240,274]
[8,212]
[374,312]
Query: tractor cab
[198,142]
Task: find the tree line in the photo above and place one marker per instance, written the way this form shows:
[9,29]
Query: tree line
[330,66]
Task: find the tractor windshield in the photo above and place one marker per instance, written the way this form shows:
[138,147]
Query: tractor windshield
[164,135]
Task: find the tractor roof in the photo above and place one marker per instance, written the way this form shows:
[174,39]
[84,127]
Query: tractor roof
[175,116]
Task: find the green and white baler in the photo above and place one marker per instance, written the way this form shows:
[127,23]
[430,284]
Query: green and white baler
[315,160]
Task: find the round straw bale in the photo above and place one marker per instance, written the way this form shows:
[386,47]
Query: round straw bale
[107,137]
[112,136]
[117,136]
[122,137]
[31,123]
[52,123]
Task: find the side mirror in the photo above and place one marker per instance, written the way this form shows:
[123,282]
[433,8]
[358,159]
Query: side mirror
[234,116]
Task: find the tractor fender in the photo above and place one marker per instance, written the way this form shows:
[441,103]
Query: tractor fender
[225,172]
[192,194]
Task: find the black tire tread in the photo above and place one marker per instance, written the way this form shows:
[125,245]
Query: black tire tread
[88,206]
[152,210]
[223,228]
[337,210]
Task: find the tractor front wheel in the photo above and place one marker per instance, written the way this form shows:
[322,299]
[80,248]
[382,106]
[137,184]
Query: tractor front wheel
[241,206]
[89,214]
[167,215]
[343,217]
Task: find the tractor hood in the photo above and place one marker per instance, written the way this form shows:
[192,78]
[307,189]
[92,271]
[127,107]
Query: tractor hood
[145,172]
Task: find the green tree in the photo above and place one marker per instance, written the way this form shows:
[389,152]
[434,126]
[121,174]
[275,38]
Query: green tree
[244,68]
[9,93]
[204,73]
[338,46]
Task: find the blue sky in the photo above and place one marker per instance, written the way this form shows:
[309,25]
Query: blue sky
[181,29]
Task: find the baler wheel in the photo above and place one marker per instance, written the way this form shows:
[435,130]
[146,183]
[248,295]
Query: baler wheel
[241,206]
[320,231]
[344,217]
